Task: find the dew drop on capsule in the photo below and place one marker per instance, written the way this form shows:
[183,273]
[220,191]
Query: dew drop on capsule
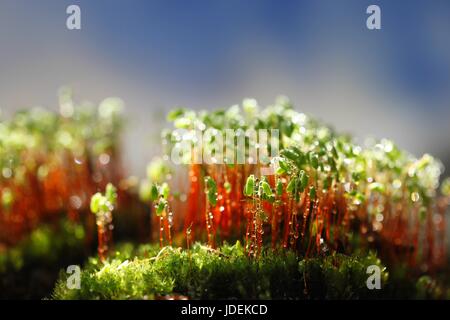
[104,158]
[379,217]
[396,184]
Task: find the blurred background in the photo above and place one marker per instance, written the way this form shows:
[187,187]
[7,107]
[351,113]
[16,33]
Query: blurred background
[393,82]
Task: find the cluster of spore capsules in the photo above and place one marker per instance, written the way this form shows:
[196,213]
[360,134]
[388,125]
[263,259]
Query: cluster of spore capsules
[51,163]
[321,193]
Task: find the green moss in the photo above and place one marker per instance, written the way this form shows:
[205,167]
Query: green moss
[45,245]
[146,272]
[341,277]
[226,273]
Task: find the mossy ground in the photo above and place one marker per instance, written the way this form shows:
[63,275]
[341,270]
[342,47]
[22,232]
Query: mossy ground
[29,270]
[147,272]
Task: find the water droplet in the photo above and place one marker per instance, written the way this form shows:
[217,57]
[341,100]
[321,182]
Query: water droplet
[97,177]
[396,184]
[76,202]
[415,196]
[379,217]
[437,219]
[104,158]
[388,146]
[7,173]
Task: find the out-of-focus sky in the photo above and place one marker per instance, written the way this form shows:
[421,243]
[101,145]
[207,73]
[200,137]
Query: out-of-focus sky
[156,54]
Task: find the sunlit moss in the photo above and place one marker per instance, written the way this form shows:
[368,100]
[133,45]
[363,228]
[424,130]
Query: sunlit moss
[330,188]
[224,273]
[148,272]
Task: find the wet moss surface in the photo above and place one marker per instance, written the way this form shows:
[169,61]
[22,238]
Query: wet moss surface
[148,272]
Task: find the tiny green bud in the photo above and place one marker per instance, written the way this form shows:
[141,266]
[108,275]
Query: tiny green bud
[211,190]
[95,202]
[377,187]
[314,160]
[327,183]
[356,176]
[111,193]
[160,207]
[157,170]
[291,185]
[279,187]
[445,187]
[227,186]
[145,191]
[165,190]
[266,188]
[304,178]
[312,193]
[249,186]
[154,192]
[174,114]
[7,198]
[289,154]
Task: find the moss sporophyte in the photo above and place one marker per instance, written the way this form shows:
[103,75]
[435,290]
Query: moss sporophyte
[310,218]
[102,206]
[321,193]
[51,163]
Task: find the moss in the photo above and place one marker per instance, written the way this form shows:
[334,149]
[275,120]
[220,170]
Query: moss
[45,245]
[147,272]
[29,270]
[324,190]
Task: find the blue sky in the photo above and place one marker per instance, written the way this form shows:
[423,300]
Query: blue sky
[155,54]
[180,38]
